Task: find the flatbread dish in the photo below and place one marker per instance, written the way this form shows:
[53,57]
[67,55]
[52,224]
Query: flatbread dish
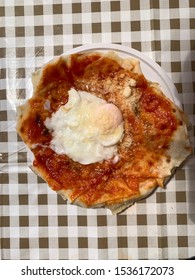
[102,135]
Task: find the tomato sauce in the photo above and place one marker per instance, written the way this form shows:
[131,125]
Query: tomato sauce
[150,128]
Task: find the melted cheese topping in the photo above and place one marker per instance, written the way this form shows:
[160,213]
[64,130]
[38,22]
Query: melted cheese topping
[86,128]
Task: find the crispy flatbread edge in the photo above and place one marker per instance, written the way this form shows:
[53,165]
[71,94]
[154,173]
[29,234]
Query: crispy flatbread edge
[129,63]
[116,208]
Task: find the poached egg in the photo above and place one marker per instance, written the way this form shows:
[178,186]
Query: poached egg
[86,128]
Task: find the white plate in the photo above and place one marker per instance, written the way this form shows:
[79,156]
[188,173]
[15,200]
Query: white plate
[151,70]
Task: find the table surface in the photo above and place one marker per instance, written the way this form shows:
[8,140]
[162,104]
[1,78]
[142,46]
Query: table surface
[35,222]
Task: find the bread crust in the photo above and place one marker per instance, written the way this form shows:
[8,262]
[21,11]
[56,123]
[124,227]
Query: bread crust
[155,141]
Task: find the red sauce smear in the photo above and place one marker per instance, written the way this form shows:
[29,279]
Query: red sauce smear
[63,173]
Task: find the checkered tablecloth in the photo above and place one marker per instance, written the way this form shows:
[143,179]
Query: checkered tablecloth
[35,222]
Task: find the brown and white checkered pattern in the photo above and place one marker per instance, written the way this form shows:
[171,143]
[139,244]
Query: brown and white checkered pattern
[35,222]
